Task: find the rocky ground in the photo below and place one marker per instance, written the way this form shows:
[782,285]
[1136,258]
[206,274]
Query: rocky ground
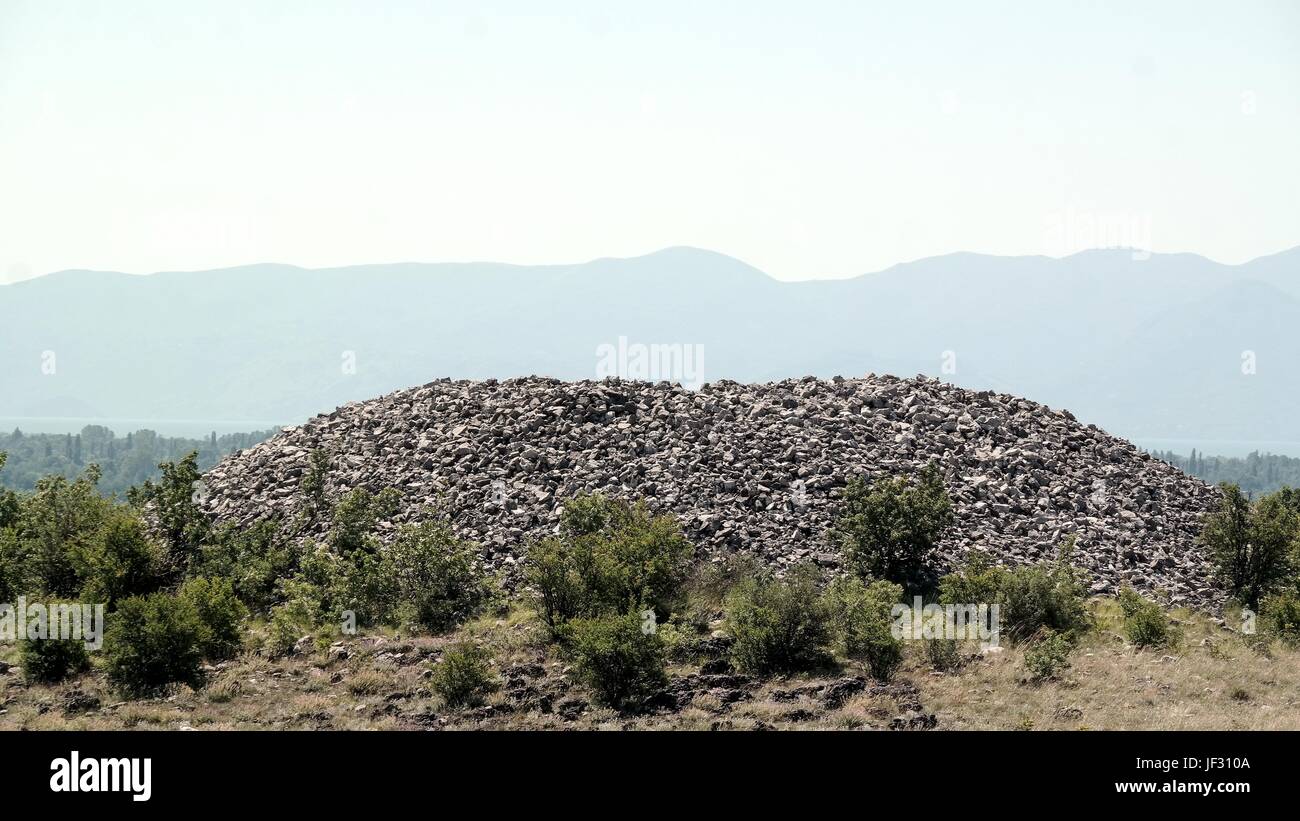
[754,468]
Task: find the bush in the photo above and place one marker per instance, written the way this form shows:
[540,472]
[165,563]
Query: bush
[282,632]
[437,578]
[221,616]
[313,484]
[1252,547]
[1148,626]
[709,584]
[355,518]
[152,642]
[1047,654]
[563,591]
[46,661]
[426,576]
[464,677]
[779,625]
[12,577]
[254,558]
[58,523]
[1041,596]
[978,582]
[301,614]
[889,529]
[611,557]
[120,561]
[1281,614]
[621,662]
[363,582]
[174,500]
[944,655]
[1130,601]
[861,623]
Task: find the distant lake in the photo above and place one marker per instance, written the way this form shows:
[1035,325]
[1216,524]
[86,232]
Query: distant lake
[189,428]
[1220,447]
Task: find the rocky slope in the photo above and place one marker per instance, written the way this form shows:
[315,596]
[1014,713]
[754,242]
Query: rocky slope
[745,467]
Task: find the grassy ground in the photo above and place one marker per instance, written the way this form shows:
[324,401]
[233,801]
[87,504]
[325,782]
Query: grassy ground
[1210,679]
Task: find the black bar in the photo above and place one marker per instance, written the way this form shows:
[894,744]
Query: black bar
[300,770]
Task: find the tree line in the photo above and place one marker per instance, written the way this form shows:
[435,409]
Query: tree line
[1256,473]
[123,462]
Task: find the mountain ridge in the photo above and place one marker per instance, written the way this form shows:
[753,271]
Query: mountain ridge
[671,249]
[272,341]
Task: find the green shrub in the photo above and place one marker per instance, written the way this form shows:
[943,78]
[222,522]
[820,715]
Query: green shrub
[301,614]
[1047,654]
[709,583]
[1130,601]
[563,592]
[621,662]
[426,576]
[1148,626]
[282,633]
[1044,596]
[327,584]
[779,625]
[313,484]
[47,661]
[683,643]
[59,521]
[364,583]
[312,589]
[254,558]
[437,576]
[152,642]
[121,560]
[944,655]
[1253,547]
[610,557]
[356,517]
[221,616]
[861,623]
[889,529]
[1145,623]
[1281,616]
[10,509]
[464,677]
[174,500]
[12,577]
[979,581]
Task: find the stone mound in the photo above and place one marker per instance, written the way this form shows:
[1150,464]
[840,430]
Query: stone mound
[755,468]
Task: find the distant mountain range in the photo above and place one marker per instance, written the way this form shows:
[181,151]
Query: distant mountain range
[1143,348]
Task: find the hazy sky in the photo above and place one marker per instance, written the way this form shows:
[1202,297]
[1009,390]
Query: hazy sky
[811,139]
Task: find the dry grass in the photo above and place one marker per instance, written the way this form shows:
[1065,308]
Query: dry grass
[1210,680]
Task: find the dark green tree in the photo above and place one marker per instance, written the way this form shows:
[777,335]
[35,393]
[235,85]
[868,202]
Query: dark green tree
[1252,546]
[889,529]
[313,484]
[58,522]
[175,502]
[120,560]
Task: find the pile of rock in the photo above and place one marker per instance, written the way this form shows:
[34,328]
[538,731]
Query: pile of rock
[757,468]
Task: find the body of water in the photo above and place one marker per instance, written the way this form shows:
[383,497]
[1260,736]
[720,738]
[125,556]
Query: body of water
[188,428]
